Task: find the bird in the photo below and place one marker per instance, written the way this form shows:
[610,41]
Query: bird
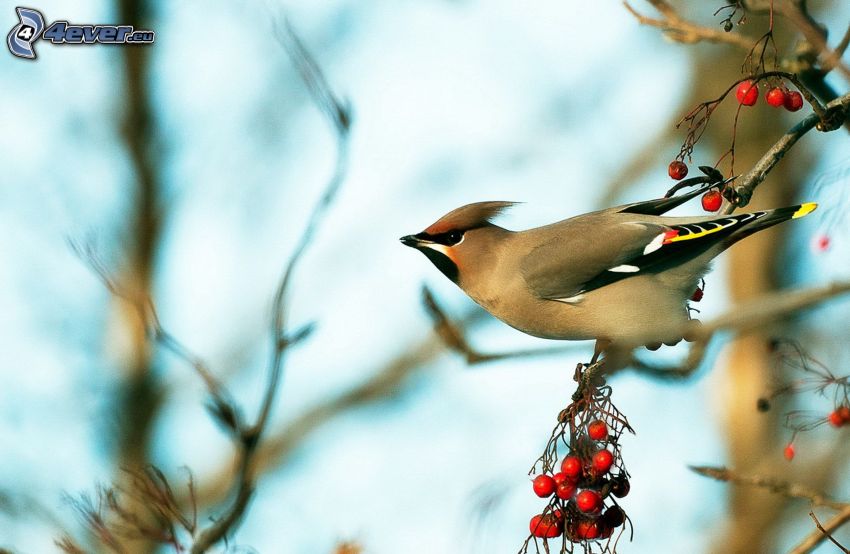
[621,276]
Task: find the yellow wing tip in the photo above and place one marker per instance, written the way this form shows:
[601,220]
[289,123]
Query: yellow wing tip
[804,210]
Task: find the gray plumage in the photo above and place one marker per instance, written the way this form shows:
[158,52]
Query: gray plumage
[623,274]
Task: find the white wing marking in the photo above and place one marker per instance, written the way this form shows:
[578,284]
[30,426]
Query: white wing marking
[656,243]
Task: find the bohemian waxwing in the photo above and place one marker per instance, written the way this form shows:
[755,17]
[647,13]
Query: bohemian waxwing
[621,275]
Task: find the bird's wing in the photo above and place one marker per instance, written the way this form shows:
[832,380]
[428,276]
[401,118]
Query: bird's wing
[594,251]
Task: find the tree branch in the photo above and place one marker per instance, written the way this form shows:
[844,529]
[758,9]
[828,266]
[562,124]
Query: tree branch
[681,30]
[789,490]
[776,486]
[742,191]
[815,35]
[827,533]
[823,532]
[743,318]
[248,438]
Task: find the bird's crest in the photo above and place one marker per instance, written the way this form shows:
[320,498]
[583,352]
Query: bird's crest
[468,217]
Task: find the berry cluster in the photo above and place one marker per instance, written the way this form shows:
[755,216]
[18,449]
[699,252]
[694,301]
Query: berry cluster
[582,487]
[812,376]
[747,94]
[839,417]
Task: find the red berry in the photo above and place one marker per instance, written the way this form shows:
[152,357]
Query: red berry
[620,486]
[793,101]
[775,97]
[677,170]
[697,295]
[588,529]
[835,419]
[562,477]
[597,430]
[544,486]
[614,516]
[566,490]
[747,93]
[602,461]
[712,200]
[546,526]
[789,451]
[589,501]
[571,467]
[840,416]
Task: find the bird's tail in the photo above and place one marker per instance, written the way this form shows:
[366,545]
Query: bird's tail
[771,218]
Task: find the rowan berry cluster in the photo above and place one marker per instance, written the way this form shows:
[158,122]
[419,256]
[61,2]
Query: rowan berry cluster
[747,94]
[809,375]
[777,94]
[583,485]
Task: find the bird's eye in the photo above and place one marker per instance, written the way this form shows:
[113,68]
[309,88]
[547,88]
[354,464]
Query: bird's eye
[454,237]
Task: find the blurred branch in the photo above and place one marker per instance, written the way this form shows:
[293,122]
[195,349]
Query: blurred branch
[789,490]
[244,484]
[815,34]
[776,486]
[140,393]
[742,190]
[383,384]
[223,404]
[743,318]
[454,337]
[681,30]
[338,114]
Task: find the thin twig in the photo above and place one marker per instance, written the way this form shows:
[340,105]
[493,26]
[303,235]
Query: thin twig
[681,30]
[826,533]
[244,484]
[388,381]
[814,539]
[154,329]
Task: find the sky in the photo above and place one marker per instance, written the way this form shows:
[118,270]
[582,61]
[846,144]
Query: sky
[453,102]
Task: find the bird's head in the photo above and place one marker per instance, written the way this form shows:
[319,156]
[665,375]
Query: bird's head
[457,240]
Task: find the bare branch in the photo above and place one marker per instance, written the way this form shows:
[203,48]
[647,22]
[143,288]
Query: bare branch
[823,532]
[244,484]
[340,116]
[743,189]
[776,486]
[828,534]
[743,318]
[681,30]
[816,36]
[147,313]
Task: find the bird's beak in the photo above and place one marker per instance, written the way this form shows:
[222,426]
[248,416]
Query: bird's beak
[414,241]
